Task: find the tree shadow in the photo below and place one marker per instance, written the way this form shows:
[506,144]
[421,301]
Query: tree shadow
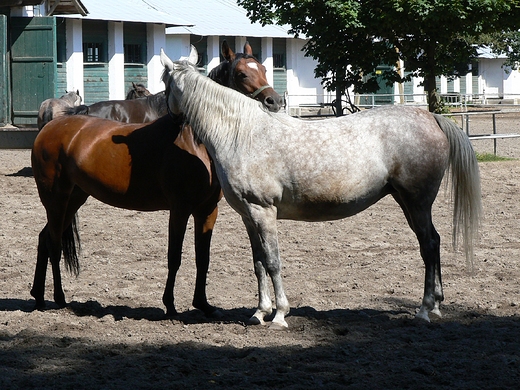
[354,349]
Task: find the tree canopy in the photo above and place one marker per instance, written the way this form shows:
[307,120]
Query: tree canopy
[351,38]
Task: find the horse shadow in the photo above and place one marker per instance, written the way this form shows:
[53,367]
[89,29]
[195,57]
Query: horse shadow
[24,172]
[239,315]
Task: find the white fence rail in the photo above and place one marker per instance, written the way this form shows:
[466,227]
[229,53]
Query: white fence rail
[297,105]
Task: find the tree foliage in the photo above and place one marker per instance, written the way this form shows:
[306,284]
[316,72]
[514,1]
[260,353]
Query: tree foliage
[351,38]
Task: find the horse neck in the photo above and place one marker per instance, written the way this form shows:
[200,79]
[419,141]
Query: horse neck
[221,74]
[221,118]
[158,103]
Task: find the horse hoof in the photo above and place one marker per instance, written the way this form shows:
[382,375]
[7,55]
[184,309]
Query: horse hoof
[39,306]
[255,321]
[62,305]
[278,326]
[208,310]
[422,316]
[171,313]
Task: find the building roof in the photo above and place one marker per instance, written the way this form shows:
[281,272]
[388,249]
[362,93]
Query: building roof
[487,53]
[200,17]
[63,7]
[131,11]
[218,17]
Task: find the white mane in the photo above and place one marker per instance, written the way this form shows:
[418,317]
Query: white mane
[216,112]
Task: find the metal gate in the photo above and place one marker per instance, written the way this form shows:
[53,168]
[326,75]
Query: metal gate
[33,66]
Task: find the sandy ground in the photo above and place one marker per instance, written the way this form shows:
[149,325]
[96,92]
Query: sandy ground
[354,287]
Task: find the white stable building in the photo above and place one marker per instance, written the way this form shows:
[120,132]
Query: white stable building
[101,47]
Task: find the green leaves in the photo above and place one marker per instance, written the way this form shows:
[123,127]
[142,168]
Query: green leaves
[352,38]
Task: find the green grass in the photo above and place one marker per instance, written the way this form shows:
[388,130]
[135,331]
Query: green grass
[490,157]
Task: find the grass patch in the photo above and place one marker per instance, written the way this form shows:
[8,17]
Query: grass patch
[490,157]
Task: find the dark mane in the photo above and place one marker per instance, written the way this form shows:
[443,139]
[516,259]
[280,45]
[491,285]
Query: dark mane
[77,110]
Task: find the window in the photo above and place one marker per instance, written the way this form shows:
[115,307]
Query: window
[92,52]
[133,54]
[279,60]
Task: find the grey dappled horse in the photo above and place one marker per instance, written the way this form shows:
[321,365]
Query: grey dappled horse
[274,166]
[54,107]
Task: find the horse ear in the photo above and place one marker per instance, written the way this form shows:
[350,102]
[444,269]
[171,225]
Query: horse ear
[165,61]
[194,56]
[133,85]
[247,49]
[227,53]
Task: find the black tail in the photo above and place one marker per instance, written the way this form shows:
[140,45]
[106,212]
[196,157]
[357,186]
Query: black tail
[71,247]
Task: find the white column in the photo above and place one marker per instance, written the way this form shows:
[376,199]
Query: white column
[75,56]
[469,83]
[177,46]
[239,44]
[213,52]
[156,39]
[267,56]
[116,62]
[444,85]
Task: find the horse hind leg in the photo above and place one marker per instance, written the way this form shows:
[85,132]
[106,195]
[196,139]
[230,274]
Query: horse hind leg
[67,243]
[418,215]
[48,248]
[38,288]
[50,243]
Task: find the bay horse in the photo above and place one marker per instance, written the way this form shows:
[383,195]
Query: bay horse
[274,166]
[138,90]
[147,167]
[177,183]
[54,107]
[244,73]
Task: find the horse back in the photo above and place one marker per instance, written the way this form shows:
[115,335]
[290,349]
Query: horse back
[137,166]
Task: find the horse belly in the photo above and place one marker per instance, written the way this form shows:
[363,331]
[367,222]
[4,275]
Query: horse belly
[330,208]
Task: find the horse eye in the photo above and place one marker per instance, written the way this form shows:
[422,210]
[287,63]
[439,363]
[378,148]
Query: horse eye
[242,75]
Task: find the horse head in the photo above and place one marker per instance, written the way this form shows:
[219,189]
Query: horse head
[138,90]
[244,73]
[172,79]
[73,98]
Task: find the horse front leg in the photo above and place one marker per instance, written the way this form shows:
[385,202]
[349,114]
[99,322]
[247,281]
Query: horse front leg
[204,224]
[176,232]
[40,273]
[262,231]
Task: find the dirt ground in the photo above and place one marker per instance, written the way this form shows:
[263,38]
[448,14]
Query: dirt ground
[354,287]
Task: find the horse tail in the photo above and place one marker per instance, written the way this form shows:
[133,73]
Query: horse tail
[70,242]
[465,186]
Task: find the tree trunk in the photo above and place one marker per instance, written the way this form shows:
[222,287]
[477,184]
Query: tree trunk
[434,104]
[338,105]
